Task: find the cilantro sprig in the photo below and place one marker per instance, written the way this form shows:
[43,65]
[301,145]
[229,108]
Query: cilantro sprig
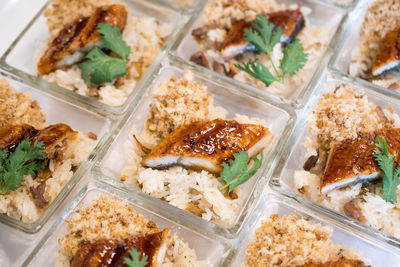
[134,259]
[390,180]
[100,67]
[26,159]
[236,173]
[264,35]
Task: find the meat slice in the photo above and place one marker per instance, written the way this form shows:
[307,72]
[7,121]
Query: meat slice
[207,144]
[338,263]
[75,40]
[12,135]
[351,210]
[38,195]
[352,160]
[291,22]
[54,138]
[200,59]
[388,54]
[110,253]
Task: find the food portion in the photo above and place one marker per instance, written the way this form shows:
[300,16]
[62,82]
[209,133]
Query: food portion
[76,39]
[266,44]
[351,159]
[207,144]
[191,156]
[292,241]
[108,232]
[36,160]
[377,55]
[97,48]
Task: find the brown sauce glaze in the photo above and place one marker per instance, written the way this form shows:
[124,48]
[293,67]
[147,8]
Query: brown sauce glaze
[81,34]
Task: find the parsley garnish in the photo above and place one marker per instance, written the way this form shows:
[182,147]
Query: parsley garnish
[264,36]
[24,160]
[238,166]
[102,68]
[134,259]
[390,181]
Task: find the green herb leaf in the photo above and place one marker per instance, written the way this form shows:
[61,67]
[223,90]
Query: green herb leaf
[134,259]
[236,173]
[264,35]
[100,67]
[258,71]
[24,160]
[385,161]
[112,40]
[294,58]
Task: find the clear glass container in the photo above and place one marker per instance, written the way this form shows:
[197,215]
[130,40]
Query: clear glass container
[347,41]
[55,110]
[235,100]
[209,249]
[19,56]
[379,253]
[322,14]
[294,155]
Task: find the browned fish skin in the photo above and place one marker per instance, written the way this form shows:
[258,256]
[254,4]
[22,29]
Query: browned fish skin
[291,22]
[53,136]
[352,158]
[110,253]
[80,35]
[388,53]
[338,263]
[215,141]
[12,135]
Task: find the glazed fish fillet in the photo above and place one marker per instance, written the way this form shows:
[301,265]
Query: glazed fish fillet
[291,22]
[388,54]
[110,253]
[207,144]
[54,137]
[75,40]
[352,161]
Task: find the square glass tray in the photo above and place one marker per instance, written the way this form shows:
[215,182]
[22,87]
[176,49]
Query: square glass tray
[235,100]
[347,41]
[208,248]
[19,60]
[294,155]
[58,110]
[323,14]
[379,253]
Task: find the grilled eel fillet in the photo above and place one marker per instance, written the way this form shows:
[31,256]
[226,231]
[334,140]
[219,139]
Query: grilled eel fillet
[352,161]
[291,22]
[110,253]
[76,39]
[207,144]
[54,137]
[388,54]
